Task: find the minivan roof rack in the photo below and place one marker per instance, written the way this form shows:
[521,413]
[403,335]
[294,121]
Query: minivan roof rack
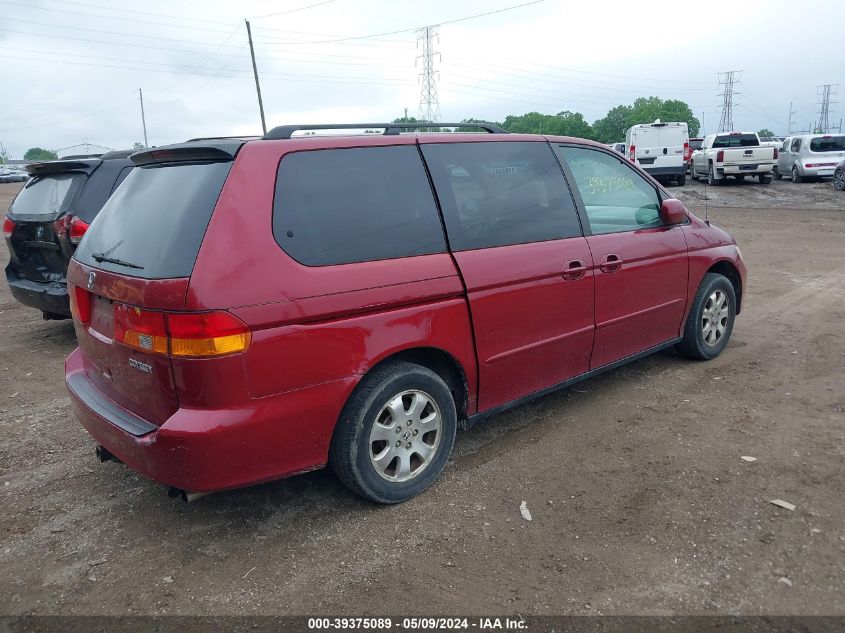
[286,131]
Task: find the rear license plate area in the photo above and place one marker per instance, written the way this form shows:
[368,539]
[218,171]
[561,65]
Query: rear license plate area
[748,167]
[102,316]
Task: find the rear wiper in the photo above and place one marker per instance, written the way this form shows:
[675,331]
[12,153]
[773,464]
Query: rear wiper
[102,257]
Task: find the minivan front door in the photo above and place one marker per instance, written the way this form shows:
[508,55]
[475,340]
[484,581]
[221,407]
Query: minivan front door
[516,238]
[641,266]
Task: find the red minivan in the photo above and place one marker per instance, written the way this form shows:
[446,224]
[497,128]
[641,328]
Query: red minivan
[252,309]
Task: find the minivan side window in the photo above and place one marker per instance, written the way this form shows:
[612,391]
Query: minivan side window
[616,198]
[340,206]
[796,144]
[500,193]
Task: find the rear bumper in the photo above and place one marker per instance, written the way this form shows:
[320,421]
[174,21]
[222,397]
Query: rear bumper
[734,170]
[47,297]
[817,172]
[209,450]
[665,172]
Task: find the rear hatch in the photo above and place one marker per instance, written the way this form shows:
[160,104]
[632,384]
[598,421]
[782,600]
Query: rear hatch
[40,245]
[826,152]
[129,276]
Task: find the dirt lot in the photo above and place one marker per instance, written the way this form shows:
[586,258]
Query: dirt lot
[641,503]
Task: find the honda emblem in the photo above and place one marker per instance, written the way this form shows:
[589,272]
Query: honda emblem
[92,277]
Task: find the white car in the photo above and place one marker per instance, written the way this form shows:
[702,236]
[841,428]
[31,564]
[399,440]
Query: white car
[810,156]
[660,149]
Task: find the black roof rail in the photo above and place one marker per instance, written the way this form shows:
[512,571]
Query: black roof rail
[286,131]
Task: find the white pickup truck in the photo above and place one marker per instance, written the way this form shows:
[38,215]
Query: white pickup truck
[735,154]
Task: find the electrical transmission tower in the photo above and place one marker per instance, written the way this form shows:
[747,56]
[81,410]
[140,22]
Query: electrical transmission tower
[429,103]
[825,92]
[728,81]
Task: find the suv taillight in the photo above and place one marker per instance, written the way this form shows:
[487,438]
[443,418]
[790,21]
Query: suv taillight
[8,227]
[180,334]
[77,230]
[720,156]
[632,153]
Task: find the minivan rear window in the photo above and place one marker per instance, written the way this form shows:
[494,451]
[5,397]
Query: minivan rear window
[46,196]
[155,221]
[736,140]
[828,144]
[340,206]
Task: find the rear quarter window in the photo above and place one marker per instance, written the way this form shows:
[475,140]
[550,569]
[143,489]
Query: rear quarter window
[156,220]
[341,206]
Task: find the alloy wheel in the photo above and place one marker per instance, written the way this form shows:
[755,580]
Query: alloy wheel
[405,436]
[714,318]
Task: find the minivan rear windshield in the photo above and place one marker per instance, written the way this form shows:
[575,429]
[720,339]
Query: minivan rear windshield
[45,196]
[154,223]
[828,144]
[736,140]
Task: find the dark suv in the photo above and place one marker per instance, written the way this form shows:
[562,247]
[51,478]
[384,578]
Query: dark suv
[252,309]
[47,220]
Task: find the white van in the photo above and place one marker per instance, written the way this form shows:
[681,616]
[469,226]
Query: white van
[660,149]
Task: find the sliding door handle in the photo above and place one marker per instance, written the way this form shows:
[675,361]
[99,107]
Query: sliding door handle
[611,263]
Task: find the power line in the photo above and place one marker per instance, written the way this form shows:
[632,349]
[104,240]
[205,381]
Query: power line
[730,80]
[309,6]
[429,109]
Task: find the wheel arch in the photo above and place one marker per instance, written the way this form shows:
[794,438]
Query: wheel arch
[726,268]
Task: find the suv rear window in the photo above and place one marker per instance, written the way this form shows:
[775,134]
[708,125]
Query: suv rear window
[46,196]
[828,144]
[339,206]
[736,140]
[155,220]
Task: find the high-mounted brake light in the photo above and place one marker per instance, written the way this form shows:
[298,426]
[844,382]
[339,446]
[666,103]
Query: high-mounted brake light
[8,227]
[720,156]
[180,334]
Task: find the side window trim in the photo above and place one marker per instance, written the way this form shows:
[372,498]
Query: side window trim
[579,201]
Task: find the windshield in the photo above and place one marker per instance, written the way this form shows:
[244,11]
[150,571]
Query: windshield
[154,223]
[828,144]
[736,140]
[45,196]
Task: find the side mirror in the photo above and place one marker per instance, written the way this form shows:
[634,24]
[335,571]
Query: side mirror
[673,212]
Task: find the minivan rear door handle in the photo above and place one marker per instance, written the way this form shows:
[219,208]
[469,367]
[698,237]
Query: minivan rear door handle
[611,263]
[574,270]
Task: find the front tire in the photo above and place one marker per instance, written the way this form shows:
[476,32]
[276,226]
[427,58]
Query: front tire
[711,177]
[395,434]
[692,173]
[711,318]
[839,180]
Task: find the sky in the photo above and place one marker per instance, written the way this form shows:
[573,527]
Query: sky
[70,70]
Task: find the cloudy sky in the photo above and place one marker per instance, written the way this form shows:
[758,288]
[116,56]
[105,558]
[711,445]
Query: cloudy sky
[71,69]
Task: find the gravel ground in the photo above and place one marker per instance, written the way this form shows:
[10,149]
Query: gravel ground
[640,501]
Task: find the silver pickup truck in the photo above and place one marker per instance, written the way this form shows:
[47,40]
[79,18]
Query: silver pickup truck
[735,154]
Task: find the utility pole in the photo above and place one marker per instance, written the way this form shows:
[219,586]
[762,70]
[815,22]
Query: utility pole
[255,72]
[825,91]
[730,80]
[429,109]
[791,114]
[143,118]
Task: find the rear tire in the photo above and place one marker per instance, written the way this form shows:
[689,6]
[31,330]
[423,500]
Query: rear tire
[711,318]
[682,180]
[395,433]
[764,179]
[796,175]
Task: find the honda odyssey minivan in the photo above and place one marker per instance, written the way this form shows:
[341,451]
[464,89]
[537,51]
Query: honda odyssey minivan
[251,309]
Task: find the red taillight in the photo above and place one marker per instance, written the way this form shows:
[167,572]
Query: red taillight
[181,334]
[8,227]
[810,165]
[80,304]
[632,153]
[720,156]
[776,153]
[686,151]
[77,230]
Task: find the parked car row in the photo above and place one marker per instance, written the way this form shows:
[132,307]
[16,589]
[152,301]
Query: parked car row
[12,174]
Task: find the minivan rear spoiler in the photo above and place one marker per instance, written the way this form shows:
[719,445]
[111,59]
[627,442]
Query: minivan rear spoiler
[58,166]
[222,151]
